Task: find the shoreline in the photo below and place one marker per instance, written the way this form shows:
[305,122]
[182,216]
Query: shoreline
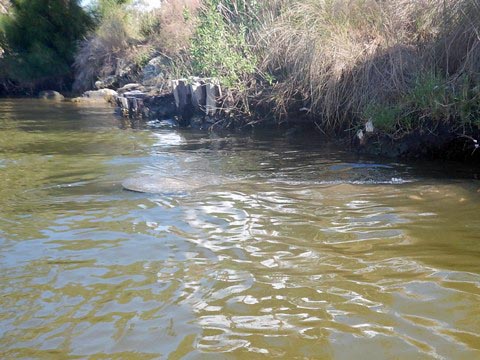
[161,110]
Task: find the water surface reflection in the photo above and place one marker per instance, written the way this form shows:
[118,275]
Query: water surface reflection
[298,251]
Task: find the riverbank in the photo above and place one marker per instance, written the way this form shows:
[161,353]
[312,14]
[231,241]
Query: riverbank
[196,104]
[397,78]
[151,108]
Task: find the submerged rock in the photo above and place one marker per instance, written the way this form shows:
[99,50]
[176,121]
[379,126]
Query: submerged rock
[160,184]
[51,95]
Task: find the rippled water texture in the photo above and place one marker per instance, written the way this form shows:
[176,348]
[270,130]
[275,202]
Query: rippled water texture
[282,248]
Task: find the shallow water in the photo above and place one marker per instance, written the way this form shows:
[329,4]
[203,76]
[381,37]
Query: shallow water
[296,250]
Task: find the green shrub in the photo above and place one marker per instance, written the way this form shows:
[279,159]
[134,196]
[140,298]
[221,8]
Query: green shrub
[220,49]
[429,97]
[466,101]
[385,118]
[112,45]
[39,38]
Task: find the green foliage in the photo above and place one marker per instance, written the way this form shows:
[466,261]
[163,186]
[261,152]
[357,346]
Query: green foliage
[39,38]
[141,58]
[220,49]
[150,25]
[110,48]
[466,101]
[384,117]
[105,7]
[430,101]
[243,12]
[429,96]
[186,14]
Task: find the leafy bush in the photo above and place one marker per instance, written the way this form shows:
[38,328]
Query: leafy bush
[4,6]
[113,45]
[385,118]
[219,48]
[429,97]
[466,101]
[39,38]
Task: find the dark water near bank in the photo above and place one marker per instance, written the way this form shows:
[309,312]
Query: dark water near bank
[284,248]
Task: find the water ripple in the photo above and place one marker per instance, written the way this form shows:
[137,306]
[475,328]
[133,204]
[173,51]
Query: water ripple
[292,254]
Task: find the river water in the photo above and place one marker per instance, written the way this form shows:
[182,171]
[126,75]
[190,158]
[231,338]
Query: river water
[283,248]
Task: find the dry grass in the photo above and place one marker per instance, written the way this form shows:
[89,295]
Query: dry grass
[170,28]
[4,6]
[339,57]
[126,36]
[115,42]
[459,45]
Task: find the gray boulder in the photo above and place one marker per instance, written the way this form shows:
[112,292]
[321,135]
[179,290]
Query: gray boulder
[102,94]
[97,96]
[135,94]
[51,95]
[155,71]
[130,87]
[131,103]
[107,82]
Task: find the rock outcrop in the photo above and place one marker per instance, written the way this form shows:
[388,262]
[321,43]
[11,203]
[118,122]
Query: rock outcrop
[192,101]
[51,95]
[155,73]
[97,96]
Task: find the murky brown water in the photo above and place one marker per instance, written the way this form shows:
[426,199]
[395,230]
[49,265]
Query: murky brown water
[297,251]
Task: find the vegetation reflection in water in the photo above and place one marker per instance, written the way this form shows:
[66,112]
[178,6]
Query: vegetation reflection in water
[298,251]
